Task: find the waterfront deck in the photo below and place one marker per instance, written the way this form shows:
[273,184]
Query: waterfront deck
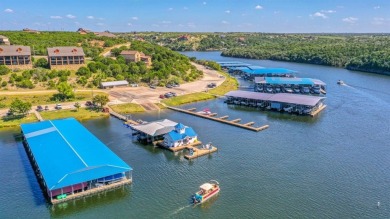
[179,148]
[222,120]
[93,191]
[198,152]
[315,112]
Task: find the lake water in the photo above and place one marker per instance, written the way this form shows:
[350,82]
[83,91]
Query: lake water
[335,165]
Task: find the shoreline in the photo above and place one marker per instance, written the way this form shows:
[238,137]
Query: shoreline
[229,83]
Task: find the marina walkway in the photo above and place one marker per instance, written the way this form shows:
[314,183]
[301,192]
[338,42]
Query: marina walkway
[222,119]
[92,191]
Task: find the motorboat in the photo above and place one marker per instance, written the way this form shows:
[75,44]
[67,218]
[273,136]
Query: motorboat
[305,90]
[278,89]
[296,89]
[205,112]
[270,89]
[340,82]
[206,191]
[288,90]
[259,89]
[288,109]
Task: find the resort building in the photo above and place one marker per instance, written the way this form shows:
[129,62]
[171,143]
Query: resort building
[105,34]
[4,40]
[16,57]
[69,58]
[291,103]
[181,135]
[112,84]
[289,85]
[70,162]
[83,31]
[135,56]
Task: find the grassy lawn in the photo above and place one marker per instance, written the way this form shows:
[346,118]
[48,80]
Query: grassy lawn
[44,98]
[13,121]
[161,106]
[188,98]
[82,114]
[127,108]
[229,84]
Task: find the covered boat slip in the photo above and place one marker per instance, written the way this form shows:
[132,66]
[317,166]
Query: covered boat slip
[152,131]
[291,103]
[251,73]
[289,85]
[70,161]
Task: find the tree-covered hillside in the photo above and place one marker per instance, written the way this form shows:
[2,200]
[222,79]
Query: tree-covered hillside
[363,52]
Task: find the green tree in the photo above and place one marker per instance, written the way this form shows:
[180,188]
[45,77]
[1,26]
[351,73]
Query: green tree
[4,70]
[20,107]
[41,63]
[84,71]
[100,99]
[65,91]
[77,105]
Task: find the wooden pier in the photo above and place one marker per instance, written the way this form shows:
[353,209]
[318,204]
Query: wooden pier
[179,148]
[198,152]
[92,191]
[222,120]
[315,112]
[224,117]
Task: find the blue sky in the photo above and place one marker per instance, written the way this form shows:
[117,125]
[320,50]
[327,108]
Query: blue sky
[277,16]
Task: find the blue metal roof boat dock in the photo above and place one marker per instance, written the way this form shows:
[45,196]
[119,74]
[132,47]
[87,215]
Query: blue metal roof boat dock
[289,85]
[291,103]
[71,162]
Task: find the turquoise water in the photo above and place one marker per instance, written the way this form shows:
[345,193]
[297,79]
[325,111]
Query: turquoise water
[335,165]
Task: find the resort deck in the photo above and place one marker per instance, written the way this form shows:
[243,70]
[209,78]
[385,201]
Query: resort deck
[92,191]
[222,120]
[179,148]
[198,152]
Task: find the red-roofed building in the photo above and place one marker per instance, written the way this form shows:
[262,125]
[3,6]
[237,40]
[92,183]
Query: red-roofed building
[16,57]
[70,58]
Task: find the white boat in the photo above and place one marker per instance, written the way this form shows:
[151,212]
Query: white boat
[207,190]
[205,112]
[340,82]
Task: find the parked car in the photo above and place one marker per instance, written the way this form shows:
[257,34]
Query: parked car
[175,85]
[169,86]
[46,107]
[39,108]
[162,96]
[58,106]
[152,86]
[89,103]
[133,85]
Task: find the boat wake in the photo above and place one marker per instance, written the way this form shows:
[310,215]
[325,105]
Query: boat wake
[180,209]
[368,96]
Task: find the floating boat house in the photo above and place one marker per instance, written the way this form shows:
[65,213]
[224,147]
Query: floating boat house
[180,136]
[291,103]
[152,131]
[70,162]
[250,74]
[289,85]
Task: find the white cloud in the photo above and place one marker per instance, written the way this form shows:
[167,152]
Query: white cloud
[129,24]
[350,20]
[225,22]
[377,7]
[319,14]
[8,10]
[134,18]
[204,3]
[258,7]
[379,21]
[191,25]
[328,11]
[70,16]
[227,11]
[56,17]
[91,17]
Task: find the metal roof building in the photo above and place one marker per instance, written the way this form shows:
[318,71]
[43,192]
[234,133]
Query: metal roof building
[277,97]
[264,71]
[156,128]
[286,80]
[113,84]
[69,158]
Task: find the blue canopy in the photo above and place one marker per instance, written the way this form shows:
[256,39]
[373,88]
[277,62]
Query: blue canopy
[68,154]
[263,71]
